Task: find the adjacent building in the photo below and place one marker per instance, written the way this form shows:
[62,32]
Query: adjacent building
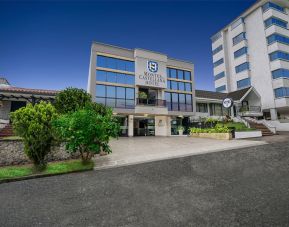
[253,50]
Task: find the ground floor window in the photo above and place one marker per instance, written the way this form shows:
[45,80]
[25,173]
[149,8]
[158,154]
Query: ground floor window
[202,107]
[144,126]
[176,122]
[123,121]
[217,109]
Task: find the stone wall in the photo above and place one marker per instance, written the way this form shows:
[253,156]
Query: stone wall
[12,153]
[5,110]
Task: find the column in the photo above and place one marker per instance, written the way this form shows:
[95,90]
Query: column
[273,113]
[130,125]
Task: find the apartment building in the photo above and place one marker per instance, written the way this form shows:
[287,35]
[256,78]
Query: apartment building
[253,50]
[150,93]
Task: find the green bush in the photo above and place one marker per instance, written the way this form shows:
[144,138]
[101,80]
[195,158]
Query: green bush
[216,129]
[87,131]
[71,99]
[33,124]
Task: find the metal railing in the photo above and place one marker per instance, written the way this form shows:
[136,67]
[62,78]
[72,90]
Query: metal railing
[255,109]
[151,102]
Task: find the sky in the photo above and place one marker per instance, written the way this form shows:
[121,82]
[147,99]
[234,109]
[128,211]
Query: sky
[46,44]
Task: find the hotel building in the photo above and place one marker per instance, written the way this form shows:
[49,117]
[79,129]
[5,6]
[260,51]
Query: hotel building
[253,50]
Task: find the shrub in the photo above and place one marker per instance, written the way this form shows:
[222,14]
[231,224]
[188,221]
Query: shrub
[33,124]
[87,131]
[216,129]
[71,99]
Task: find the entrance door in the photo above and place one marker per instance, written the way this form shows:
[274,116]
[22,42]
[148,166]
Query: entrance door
[144,127]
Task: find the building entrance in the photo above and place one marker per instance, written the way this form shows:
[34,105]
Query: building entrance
[144,127]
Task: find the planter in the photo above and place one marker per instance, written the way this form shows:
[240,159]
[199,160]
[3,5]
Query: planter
[218,136]
[181,132]
[248,134]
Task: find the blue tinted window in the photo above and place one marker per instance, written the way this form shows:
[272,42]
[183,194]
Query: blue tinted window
[100,90]
[217,50]
[168,100]
[221,88]
[115,63]
[187,75]
[101,61]
[101,75]
[172,73]
[279,55]
[174,85]
[219,76]
[111,77]
[189,106]
[129,79]
[240,52]
[272,6]
[280,73]
[121,65]
[110,91]
[181,86]
[111,63]
[239,38]
[179,102]
[243,83]
[129,93]
[281,92]
[121,78]
[219,62]
[275,21]
[242,67]
[120,92]
[180,74]
[188,87]
[278,38]
[168,84]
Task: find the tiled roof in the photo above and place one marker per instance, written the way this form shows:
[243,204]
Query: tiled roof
[28,91]
[4,81]
[235,95]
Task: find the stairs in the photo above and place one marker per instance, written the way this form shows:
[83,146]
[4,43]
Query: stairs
[265,131]
[6,131]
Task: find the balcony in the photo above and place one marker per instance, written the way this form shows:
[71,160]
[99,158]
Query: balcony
[151,102]
[249,111]
[150,106]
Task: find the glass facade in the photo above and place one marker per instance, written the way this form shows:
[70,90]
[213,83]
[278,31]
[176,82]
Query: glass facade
[271,5]
[277,38]
[178,74]
[113,77]
[219,76]
[115,63]
[217,109]
[177,85]
[114,96]
[279,55]
[179,102]
[242,67]
[280,73]
[202,107]
[275,21]
[221,88]
[244,83]
[218,49]
[219,62]
[239,38]
[282,92]
[240,52]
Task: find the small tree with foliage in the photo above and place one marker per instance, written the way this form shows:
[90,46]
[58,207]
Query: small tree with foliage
[34,125]
[71,99]
[87,131]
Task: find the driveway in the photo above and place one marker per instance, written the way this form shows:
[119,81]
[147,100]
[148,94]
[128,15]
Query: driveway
[241,187]
[128,151]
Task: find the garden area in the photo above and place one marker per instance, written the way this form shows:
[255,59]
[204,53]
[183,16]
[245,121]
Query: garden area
[73,119]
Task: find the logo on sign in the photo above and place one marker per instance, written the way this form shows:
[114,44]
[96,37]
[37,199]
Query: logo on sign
[227,102]
[153,66]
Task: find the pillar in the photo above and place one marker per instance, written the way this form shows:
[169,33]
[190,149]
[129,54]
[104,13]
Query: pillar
[273,113]
[130,125]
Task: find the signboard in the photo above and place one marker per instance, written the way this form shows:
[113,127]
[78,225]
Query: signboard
[150,73]
[228,103]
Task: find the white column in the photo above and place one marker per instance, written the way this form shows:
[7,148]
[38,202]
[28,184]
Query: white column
[273,113]
[169,133]
[161,126]
[130,125]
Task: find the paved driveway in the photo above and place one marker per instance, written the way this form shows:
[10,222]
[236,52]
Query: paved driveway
[127,151]
[243,187]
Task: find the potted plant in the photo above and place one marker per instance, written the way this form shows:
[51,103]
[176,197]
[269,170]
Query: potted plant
[181,130]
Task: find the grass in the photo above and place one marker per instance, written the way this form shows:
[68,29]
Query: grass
[239,126]
[11,172]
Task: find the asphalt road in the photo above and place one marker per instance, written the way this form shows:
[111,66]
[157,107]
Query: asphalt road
[245,187]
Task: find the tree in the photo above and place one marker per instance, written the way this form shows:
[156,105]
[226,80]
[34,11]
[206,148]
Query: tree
[87,131]
[71,99]
[33,124]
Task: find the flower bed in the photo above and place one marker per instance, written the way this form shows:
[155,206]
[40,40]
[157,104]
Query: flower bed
[218,136]
[218,132]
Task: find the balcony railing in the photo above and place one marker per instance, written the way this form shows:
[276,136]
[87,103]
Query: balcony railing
[151,102]
[256,109]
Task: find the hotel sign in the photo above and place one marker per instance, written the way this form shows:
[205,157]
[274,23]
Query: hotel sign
[150,73]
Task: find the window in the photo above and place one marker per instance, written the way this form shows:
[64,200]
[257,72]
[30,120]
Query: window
[219,76]
[275,21]
[271,5]
[113,96]
[221,88]
[172,73]
[236,23]
[219,62]
[188,86]
[244,83]
[168,84]
[240,52]
[113,77]
[218,49]
[281,92]
[181,86]
[180,74]
[242,67]
[179,102]
[216,109]
[202,107]
[115,63]
[187,75]
[216,37]
[279,55]
[174,85]
[277,38]
[239,38]
[280,73]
